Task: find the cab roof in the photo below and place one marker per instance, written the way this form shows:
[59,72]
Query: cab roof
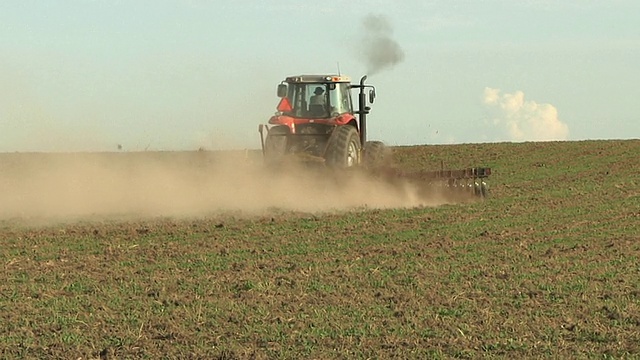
[314,79]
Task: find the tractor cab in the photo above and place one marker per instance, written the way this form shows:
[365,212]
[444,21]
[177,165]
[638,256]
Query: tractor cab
[315,96]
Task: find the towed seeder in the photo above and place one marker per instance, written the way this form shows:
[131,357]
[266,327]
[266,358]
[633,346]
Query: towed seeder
[470,181]
[315,121]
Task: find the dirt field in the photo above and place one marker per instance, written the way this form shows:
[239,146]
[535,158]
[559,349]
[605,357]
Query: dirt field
[199,255]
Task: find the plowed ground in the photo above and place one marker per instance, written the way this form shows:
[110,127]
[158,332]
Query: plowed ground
[547,267]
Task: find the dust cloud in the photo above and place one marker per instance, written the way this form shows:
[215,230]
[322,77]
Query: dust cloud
[379,50]
[181,184]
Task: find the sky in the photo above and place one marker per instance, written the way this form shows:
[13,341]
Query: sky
[98,75]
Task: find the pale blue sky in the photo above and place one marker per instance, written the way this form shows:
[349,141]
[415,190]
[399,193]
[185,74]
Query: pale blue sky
[173,75]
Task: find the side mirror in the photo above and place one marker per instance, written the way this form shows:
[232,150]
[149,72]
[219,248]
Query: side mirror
[372,95]
[282,90]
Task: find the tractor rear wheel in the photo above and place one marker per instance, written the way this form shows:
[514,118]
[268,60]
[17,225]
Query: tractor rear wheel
[343,147]
[374,152]
[275,145]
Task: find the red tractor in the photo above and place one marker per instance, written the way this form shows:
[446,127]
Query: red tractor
[315,120]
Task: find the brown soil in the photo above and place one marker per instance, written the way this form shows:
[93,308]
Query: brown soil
[148,256]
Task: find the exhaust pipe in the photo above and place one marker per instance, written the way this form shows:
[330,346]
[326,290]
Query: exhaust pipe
[363,110]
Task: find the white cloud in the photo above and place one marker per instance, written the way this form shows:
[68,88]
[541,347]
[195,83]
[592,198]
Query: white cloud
[524,120]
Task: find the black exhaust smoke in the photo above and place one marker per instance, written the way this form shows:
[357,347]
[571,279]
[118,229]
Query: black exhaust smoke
[379,50]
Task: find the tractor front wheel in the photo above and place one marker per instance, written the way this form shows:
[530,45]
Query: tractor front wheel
[343,147]
[275,145]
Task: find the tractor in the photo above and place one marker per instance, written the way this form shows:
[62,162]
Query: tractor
[316,122]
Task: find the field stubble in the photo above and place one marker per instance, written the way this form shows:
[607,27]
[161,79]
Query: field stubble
[546,267]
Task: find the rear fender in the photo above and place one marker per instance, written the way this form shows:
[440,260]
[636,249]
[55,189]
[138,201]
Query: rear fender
[279,130]
[346,119]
